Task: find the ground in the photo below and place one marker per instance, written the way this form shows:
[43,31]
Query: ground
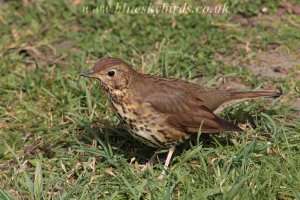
[60,140]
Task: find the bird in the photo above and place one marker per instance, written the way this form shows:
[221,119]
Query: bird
[164,112]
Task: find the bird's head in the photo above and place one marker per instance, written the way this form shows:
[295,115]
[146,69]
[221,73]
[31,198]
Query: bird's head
[112,73]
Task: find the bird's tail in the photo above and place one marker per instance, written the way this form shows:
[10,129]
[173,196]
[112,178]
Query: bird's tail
[236,97]
[250,95]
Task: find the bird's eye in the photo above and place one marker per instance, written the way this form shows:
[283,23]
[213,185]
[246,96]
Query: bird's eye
[111,73]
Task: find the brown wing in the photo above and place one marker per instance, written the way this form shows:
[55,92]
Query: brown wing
[187,113]
[211,98]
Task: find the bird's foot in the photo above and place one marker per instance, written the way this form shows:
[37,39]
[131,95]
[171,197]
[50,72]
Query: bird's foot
[152,161]
[169,156]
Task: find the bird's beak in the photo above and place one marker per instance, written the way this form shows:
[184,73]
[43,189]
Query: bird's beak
[87,73]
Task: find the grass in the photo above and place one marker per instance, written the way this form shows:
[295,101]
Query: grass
[60,140]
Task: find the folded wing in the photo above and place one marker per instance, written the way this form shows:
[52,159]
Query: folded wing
[187,113]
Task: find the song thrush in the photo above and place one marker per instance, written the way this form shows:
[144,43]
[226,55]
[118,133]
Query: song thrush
[163,112]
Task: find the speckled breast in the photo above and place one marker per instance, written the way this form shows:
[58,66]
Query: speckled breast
[146,126]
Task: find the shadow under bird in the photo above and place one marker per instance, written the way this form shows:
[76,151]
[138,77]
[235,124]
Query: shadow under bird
[164,112]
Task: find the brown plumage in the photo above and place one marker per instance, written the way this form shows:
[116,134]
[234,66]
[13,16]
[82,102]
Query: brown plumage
[163,112]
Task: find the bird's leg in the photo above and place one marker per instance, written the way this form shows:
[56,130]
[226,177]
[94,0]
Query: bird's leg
[169,156]
[152,161]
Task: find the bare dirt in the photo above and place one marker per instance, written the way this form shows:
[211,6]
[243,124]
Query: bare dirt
[276,63]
